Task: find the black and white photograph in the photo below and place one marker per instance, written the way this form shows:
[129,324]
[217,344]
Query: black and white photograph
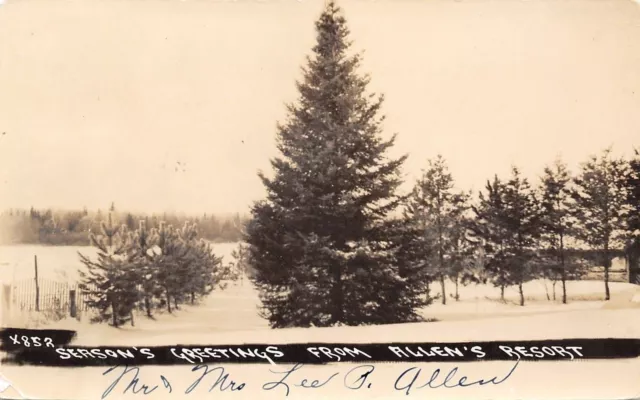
[194,176]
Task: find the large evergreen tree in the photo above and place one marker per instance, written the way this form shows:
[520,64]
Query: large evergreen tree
[319,244]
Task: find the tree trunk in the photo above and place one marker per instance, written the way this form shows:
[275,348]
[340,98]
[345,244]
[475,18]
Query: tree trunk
[131,316]
[147,306]
[457,294]
[546,290]
[607,265]
[553,287]
[564,270]
[521,294]
[114,317]
[193,298]
[502,292]
[168,302]
[444,296]
[337,296]
[607,294]
[428,292]
[175,302]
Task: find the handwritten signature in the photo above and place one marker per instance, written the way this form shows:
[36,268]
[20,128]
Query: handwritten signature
[356,378]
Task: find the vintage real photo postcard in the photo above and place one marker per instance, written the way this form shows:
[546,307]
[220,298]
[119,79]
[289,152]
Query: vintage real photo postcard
[319,199]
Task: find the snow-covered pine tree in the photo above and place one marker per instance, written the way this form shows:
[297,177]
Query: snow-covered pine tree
[185,262]
[211,272]
[557,225]
[601,207]
[463,254]
[110,281]
[439,209]
[522,221]
[319,243]
[168,256]
[183,267]
[200,270]
[416,248]
[240,267]
[141,254]
[490,232]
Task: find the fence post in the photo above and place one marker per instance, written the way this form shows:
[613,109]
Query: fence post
[35,260]
[6,304]
[72,303]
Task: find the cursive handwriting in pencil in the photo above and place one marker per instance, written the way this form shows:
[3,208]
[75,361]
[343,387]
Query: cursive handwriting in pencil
[134,384]
[357,378]
[304,383]
[221,382]
[414,373]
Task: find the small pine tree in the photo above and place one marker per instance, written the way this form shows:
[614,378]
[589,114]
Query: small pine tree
[601,207]
[439,211]
[522,221]
[110,281]
[557,224]
[200,270]
[416,246]
[463,250]
[169,255]
[489,230]
[141,254]
[240,264]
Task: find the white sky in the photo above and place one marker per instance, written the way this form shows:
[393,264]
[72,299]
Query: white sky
[99,99]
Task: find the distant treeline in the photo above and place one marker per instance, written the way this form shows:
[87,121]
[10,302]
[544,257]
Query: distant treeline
[72,227]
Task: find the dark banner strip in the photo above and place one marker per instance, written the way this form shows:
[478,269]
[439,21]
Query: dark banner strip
[52,348]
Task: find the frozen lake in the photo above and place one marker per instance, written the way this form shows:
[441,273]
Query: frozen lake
[60,263]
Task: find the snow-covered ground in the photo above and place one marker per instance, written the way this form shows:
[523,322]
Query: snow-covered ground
[231,316]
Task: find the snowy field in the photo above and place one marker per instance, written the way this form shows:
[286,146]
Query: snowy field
[231,316]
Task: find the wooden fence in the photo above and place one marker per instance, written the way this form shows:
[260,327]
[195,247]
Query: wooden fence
[47,295]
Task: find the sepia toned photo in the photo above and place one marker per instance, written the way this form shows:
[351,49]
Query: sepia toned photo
[320,199]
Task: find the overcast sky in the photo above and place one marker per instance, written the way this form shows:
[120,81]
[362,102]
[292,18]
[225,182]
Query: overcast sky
[99,100]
